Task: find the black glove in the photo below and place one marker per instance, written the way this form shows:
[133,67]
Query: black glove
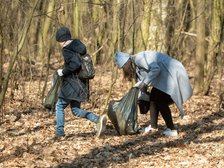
[143,87]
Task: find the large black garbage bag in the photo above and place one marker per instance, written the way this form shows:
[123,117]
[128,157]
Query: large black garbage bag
[52,96]
[123,113]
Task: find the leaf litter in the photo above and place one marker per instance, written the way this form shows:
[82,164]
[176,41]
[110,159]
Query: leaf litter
[27,135]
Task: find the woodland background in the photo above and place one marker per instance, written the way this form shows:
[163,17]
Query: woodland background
[191,31]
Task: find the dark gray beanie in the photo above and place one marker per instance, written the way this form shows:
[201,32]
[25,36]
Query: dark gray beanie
[63,34]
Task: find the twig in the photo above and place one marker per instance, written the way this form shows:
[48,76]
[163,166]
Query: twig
[194,35]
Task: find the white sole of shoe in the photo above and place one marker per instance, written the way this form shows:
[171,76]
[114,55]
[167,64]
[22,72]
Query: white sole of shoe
[170,133]
[103,121]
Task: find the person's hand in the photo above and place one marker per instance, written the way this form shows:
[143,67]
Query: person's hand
[60,72]
[137,84]
[143,87]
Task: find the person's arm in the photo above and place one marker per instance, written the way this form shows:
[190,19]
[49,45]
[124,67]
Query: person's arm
[153,71]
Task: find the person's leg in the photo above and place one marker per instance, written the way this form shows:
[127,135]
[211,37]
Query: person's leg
[166,114]
[60,106]
[100,121]
[75,107]
[154,113]
[162,101]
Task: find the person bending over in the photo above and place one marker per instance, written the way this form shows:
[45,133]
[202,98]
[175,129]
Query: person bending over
[168,79]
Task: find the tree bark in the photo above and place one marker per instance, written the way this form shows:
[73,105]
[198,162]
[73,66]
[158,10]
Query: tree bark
[16,51]
[145,23]
[1,58]
[169,23]
[47,21]
[200,51]
[76,19]
[214,45]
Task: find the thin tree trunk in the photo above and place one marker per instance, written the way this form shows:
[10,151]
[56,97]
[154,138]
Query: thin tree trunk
[219,49]
[214,46]
[200,52]
[45,41]
[116,43]
[47,21]
[1,59]
[123,14]
[16,51]
[134,26]
[170,23]
[145,24]
[76,19]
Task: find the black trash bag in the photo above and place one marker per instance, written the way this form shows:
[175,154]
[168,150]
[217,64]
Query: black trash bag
[143,106]
[52,96]
[123,113]
[144,102]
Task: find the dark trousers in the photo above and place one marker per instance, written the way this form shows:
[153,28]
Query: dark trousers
[159,102]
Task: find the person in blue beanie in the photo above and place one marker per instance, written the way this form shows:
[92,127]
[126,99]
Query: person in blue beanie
[167,78]
[73,90]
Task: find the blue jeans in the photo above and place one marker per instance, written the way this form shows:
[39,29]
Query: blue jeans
[75,107]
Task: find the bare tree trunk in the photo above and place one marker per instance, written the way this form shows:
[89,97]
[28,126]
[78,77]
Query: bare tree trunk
[214,45]
[170,24]
[47,21]
[1,58]
[193,13]
[47,73]
[134,26]
[118,43]
[76,19]
[122,25]
[145,23]
[45,42]
[16,51]
[99,30]
[181,25]
[200,52]
[217,45]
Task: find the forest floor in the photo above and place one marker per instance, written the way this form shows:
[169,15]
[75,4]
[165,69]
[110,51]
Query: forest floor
[27,134]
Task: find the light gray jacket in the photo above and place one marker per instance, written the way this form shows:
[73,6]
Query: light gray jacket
[164,73]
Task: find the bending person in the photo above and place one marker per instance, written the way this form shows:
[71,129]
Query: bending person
[168,79]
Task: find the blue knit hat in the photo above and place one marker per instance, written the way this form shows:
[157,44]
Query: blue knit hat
[121,58]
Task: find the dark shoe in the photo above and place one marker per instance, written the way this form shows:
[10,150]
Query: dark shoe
[59,137]
[101,125]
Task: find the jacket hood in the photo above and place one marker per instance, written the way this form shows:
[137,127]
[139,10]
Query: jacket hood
[77,46]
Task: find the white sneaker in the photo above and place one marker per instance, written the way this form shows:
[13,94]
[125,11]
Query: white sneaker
[101,125]
[169,132]
[148,129]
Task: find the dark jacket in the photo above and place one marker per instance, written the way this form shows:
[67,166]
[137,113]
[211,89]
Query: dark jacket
[72,87]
